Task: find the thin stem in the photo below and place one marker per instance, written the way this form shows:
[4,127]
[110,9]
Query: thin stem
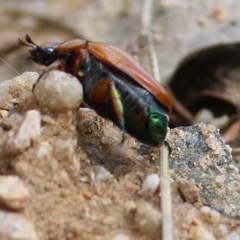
[166,197]
[147,35]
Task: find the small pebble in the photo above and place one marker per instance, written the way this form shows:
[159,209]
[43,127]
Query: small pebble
[204,115]
[15,226]
[233,236]
[12,121]
[13,192]
[150,185]
[148,220]
[121,236]
[222,230]
[3,113]
[58,92]
[198,232]
[102,175]
[22,136]
[22,168]
[129,206]
[220,178]
[44,151]
[209,215]
[190,192]
[64,152]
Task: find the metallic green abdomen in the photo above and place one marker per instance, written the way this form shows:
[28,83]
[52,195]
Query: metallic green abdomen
[143,116]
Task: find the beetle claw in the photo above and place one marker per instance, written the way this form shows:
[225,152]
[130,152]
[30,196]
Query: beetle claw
[168,147]
[123,137]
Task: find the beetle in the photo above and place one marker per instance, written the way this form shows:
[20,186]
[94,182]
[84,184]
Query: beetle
[115,85]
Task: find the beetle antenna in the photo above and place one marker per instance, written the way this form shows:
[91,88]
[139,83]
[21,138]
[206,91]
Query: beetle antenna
[27,42]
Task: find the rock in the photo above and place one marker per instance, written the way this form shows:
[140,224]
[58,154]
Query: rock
[14,226]
[200,155]
[22,136]
[10,90]
[13,192]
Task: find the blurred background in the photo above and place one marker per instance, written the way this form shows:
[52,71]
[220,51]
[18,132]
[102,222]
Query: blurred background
[178,26]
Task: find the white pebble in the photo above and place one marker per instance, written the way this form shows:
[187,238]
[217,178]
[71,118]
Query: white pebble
[233,236]
[58,91]
[13,192]
[22,136]
[204,115]
[200,233]
[102,175]
[44,151]
[150,185]
[14,226]
[121,236]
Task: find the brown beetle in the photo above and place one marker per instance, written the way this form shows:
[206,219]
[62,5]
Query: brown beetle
[114,85]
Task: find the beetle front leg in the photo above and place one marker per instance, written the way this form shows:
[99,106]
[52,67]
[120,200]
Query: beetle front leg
[118,108]
[55,65]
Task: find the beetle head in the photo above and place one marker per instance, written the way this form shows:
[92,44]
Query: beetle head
[44,54]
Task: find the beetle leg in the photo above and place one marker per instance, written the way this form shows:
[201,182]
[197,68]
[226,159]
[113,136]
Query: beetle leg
[168,147]
[55,65]
[118,108]
[79,59]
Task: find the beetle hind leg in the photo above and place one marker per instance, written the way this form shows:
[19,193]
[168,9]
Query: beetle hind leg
[118,108]
[105,89]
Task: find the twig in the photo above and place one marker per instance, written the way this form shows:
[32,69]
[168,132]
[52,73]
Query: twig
[166,200]
[147,36]
[166,197]
[9,65]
